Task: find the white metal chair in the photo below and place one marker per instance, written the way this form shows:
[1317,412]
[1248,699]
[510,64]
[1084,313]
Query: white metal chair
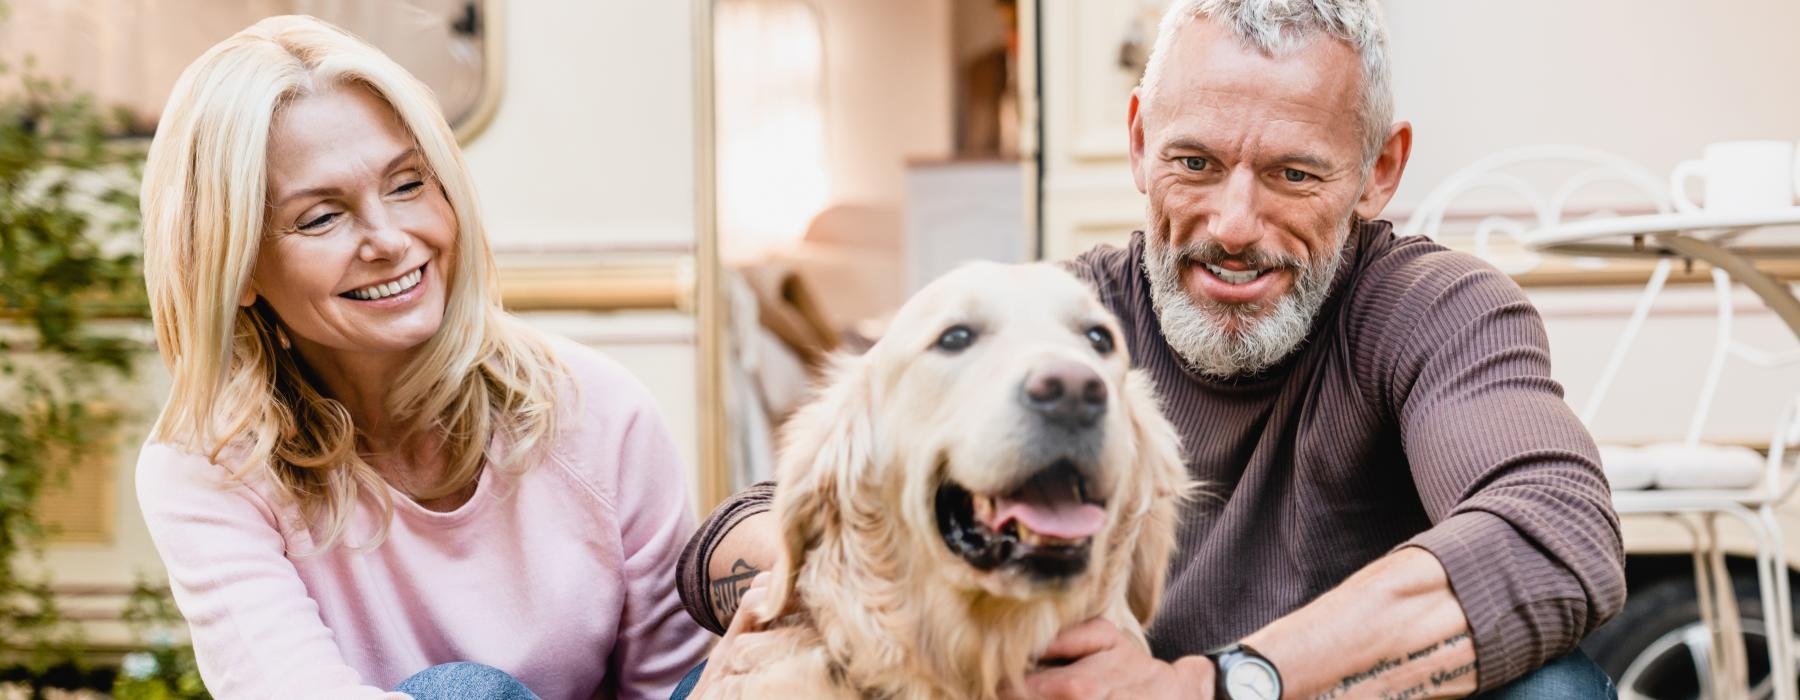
[1688,480]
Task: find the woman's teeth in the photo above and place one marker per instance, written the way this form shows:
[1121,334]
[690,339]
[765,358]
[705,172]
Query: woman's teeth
[1233,276]
[383,291]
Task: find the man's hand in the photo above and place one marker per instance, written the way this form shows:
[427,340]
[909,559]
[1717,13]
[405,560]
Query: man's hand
[1104,663]
[733,655]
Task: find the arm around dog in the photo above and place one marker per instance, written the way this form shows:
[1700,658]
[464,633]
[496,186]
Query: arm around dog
[740,539]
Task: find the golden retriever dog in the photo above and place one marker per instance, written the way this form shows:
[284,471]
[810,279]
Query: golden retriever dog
[989,473]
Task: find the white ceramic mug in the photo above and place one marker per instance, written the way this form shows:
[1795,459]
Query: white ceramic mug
[1740,176]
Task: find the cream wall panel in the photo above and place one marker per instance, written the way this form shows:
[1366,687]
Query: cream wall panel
[593,142]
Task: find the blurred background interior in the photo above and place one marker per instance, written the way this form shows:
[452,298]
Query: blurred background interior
[722,193]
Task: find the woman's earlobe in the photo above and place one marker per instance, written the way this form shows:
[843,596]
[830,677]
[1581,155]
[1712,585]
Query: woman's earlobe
[248,297]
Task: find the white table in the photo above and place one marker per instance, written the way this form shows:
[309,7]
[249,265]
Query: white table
[1725,242]
[1718,239]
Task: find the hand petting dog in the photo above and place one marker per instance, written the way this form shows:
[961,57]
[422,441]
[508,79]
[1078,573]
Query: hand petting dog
[1101,662]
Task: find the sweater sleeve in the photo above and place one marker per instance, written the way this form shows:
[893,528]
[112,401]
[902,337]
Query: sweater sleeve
[657,644]
[1523,517]
[256,632]
[692,570]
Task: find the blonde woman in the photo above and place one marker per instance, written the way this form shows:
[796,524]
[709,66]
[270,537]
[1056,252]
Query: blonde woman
[368,477]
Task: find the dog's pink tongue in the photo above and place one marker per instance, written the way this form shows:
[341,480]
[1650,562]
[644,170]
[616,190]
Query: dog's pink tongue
[1064,520]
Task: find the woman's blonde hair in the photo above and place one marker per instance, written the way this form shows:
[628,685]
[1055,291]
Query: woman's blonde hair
[237,394]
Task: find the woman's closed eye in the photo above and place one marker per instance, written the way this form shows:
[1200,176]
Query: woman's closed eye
[317,223]
[409,187]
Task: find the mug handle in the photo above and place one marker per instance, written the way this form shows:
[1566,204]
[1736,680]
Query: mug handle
[1678,185]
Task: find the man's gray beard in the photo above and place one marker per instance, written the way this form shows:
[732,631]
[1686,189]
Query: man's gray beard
[1197,332]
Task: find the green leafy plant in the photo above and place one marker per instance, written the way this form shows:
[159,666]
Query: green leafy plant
[68,215]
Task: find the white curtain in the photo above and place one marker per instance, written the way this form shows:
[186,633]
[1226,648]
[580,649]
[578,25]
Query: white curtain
[770,102]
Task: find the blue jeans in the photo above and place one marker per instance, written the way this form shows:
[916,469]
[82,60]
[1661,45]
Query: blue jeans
[1572,677]
[462,680]
[687,682]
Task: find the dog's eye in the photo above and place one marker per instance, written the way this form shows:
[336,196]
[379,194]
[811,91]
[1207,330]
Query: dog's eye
[1102,339]
[956,339]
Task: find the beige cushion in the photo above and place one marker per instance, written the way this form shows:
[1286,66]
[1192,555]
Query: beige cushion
[1703,466]
[1627,468]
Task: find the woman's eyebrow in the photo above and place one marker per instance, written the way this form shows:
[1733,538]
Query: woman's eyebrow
[334,191]
[403,157]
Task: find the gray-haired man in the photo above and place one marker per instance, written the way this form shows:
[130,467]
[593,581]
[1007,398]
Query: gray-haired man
[1406,507]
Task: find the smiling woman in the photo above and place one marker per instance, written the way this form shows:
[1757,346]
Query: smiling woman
[368,475]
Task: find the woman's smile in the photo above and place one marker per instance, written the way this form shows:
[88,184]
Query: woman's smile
[392,293]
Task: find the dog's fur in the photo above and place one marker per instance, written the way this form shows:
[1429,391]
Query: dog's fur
[877,604]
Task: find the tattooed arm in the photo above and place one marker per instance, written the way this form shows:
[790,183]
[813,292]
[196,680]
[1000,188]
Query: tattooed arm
[1393,630]
[745,551]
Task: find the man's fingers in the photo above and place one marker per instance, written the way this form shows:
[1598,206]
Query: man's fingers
[750,603]
[1091,637]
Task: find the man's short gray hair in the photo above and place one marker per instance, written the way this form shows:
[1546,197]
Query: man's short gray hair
[1281,27]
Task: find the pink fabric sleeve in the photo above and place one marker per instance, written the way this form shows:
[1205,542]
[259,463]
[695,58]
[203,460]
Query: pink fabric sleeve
[658,643]
[256,631]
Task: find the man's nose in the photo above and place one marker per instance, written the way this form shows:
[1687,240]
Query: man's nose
[1234,223]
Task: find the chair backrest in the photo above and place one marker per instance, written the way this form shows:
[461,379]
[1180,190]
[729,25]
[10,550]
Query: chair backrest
[1544,180]
[1541,183]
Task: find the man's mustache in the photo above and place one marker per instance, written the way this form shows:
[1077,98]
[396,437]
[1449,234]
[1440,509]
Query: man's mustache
[1209,251]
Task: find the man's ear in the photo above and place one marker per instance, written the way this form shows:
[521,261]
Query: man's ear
[1163,486]
[1135,126]
[827,442]
[1384,175]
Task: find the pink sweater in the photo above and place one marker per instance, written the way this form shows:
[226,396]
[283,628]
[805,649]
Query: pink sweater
[563,577]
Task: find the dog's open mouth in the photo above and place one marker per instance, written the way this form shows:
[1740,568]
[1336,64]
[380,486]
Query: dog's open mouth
[1043,528]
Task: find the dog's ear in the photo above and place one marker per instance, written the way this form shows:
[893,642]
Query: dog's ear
[1163,485]
[824,446]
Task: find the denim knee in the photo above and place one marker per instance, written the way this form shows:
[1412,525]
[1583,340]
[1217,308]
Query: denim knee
[462,680]
[1572,677]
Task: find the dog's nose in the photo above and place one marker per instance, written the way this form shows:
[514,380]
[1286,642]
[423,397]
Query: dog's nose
[1066,392]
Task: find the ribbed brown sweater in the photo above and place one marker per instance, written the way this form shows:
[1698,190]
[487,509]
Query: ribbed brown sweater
[1419,412]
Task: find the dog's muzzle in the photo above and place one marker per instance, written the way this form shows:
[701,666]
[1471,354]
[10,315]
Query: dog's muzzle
[1044,528]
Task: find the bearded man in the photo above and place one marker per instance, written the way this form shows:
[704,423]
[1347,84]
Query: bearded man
[1401,504]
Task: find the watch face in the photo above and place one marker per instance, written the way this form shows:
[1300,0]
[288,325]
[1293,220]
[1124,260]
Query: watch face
[1252,679]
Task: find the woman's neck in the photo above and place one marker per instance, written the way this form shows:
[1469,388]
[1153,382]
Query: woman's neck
[410,460]
[362,383]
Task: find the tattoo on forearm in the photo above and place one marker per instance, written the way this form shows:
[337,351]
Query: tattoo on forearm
[1417,691]
[1438,678]
[727,591]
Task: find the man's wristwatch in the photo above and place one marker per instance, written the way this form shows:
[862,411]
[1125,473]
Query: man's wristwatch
[1245,674]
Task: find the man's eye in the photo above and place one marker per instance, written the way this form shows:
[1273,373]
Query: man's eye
[1292,175]
[317,223]
[1194,163]
[956,339]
